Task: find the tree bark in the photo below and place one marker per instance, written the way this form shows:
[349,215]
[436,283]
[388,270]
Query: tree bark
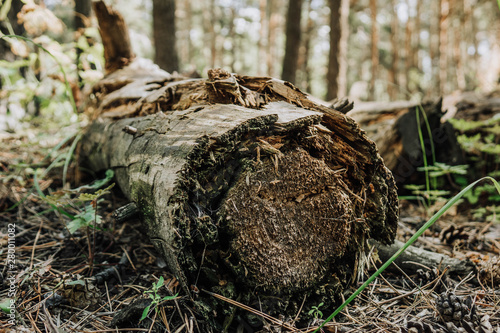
[408,58]
[293,36]
[164,35]
[412,256]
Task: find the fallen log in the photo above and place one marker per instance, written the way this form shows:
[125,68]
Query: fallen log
[246,187]
[414,258]
[394,127]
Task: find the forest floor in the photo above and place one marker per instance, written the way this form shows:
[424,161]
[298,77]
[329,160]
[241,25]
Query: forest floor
[80,281]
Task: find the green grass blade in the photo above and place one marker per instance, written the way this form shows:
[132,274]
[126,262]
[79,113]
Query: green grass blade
[429,223]
[424,154]
[59,145]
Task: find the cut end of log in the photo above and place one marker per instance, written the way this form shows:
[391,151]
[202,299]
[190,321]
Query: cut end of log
[289,220]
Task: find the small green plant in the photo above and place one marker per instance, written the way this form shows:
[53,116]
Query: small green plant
[87,216]
[316,312]
[155,298]
[442,169]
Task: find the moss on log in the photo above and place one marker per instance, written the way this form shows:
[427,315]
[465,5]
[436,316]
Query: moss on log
[246,187]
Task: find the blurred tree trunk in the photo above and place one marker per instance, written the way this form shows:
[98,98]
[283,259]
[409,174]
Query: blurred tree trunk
[290,61]
[434,46]
[459,34]
[416,45]
[185,44]
[336,75]
[469,36]
[164,35]
[213,37]
[82,20]
[444,9]
[233,37]
[274,18]
[262,37]
[304,81]
[393,87]
[374,47]
[408,60]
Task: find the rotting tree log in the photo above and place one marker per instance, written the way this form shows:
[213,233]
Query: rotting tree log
[246,187]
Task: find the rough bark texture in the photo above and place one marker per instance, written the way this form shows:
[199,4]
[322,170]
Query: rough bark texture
[246,187]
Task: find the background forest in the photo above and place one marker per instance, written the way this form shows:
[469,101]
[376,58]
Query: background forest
[381,50]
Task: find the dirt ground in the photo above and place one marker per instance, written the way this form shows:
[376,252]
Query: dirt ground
[100,280]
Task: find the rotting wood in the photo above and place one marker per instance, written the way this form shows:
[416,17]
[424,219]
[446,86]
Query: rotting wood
[247,188]
[415,258]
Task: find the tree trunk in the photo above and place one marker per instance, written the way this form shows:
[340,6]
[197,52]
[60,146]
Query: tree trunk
[416,44]
[290,61]
[444,9]
[408,59]
[246,187]
[262,36]
[374,47]
[164,35]
[272,32]
[304,80]
[82,20]
[393,87]
[460,34]
[334,57]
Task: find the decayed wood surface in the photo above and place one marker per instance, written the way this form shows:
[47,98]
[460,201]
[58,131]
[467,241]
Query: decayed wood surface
[415,258]
[246,187]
